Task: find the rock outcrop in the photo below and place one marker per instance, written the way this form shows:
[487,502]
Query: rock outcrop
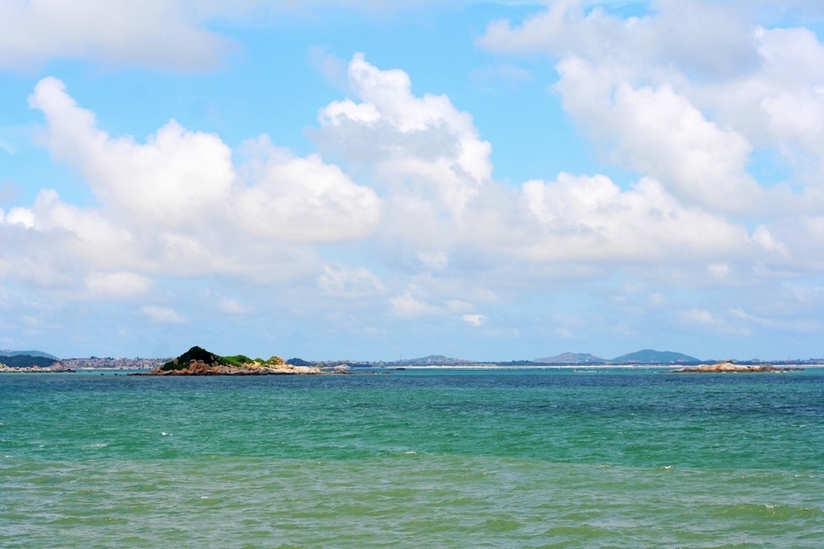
[730,367]
[200,368]
[55,367]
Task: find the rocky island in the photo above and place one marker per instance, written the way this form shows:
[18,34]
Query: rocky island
[200,362]
[56,367]
[731,367]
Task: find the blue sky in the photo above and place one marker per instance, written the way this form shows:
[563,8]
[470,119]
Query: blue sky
[371,180]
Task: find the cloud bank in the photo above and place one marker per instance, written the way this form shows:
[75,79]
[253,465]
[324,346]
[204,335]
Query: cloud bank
[181,204]
[159,34]
[398,217]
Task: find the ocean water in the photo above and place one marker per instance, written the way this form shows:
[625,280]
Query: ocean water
[498,459]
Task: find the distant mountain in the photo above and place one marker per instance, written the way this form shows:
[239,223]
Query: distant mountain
[571,358]
[7,352]
[433,360]
[650,356]
[299,362]
[26,361]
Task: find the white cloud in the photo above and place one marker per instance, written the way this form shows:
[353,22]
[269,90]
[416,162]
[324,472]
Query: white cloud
[719,270]
[412,197]
[688,35]
[700,317]
[21,216]
[659,132]
[564,333]
[763,237]
[794,325]
[178,204]
[121,284]
[435,260]
[591,218]
[686,92]
[303,199]
[407,305]
[475,320]
[332,67]
[420,144]
[439,197]
[162,34]
[231,306]
[162,315]
[340,281]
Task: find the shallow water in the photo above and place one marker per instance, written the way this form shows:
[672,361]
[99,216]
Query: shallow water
[637,458]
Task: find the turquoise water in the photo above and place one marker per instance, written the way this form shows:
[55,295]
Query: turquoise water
[635,458]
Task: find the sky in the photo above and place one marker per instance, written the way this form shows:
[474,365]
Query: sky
[377,180]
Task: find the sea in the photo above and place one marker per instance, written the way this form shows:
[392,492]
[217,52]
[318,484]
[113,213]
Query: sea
[606,458]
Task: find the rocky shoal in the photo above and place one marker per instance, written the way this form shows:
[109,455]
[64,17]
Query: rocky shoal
[731,367]
[57,368]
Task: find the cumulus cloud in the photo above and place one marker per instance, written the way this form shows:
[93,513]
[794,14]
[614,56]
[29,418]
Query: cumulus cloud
[686,92]
[591,218]
[410,193]
[697,167]
[178,203]
[413,145]
[303,199]
[179,206]
[435,173]
[659,132]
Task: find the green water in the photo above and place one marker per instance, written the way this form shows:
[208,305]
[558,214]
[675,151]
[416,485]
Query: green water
[413,459]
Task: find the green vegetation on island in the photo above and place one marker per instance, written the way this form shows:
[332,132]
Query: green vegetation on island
[28,361]
[199,361]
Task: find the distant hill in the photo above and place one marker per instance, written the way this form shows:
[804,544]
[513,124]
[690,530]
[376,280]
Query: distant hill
[7,352]
[26,361]
[571,358]
[299,362]
[433,360]
[650,356]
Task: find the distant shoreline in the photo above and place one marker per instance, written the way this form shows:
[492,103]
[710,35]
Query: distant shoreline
[664,368]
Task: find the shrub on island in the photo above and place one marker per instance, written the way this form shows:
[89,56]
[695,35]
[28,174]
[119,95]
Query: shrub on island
[200,360]
[195,354]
